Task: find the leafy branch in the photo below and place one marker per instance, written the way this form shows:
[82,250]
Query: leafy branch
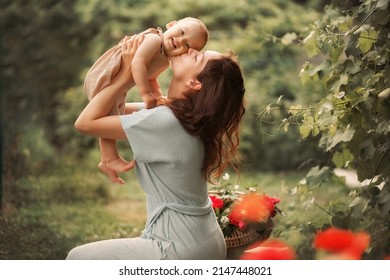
[353,119]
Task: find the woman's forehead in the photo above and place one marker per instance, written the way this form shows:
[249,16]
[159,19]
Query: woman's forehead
[212,54]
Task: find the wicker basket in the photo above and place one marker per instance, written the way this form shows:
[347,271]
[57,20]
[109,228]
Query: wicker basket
[239,238]
[238,241]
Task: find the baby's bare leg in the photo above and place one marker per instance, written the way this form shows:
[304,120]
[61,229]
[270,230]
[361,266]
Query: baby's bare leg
[111,163]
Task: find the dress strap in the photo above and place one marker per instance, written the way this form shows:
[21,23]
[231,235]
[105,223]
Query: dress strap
[158,31]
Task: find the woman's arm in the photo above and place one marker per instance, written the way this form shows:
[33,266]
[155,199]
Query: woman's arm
[133,107]
[93,120]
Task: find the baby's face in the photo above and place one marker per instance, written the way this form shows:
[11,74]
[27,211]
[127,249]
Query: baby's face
[182,36]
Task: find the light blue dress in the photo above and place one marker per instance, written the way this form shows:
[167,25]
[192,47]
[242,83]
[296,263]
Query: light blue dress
[180,221]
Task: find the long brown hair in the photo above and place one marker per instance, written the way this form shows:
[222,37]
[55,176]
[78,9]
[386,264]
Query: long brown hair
[214,113]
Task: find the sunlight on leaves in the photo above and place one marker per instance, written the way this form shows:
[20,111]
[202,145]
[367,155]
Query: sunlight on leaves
[304,130]
[310,44]
[289,38]
[343,158]
[341,136]
[366,39]
[295,109]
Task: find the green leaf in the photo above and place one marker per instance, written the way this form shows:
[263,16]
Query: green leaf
[367,149]
[366,39]
[384,203]
[351,50]
[342,81]
[364,171]
[318,175]
[380,17]
[341,136]
[285,126]
[341,220]
[343,158]
[386,75]
[358,205]
[304,76]
[335,53]
[345,25]
[351,67]
[295,109]
[304,130]
[310,44]
[382,4]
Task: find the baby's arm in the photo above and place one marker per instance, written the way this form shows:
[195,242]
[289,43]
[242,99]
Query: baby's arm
[156,89]
[144,55]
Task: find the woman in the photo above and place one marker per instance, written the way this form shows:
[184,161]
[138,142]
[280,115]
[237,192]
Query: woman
[177,148]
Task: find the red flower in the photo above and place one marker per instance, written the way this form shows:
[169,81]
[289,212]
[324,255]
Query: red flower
[235,218]
[217,202]
[253,208]
[344,243]
[271,202]
[242,225]
[271,249]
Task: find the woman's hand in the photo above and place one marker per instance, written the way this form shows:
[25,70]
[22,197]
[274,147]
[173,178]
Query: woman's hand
[129,48]
[94,119]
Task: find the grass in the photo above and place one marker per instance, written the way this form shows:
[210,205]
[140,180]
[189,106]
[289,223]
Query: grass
[74,204]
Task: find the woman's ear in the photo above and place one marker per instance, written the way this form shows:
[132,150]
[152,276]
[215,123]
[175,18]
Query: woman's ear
[194,84]
[172,23]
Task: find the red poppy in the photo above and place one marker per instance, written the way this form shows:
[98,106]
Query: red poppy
[343,242]
[235,218]
[242,225]
[271,202]
[217,202]
[253,208]
[271,249]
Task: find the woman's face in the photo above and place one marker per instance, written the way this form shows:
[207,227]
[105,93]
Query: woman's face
[187,66]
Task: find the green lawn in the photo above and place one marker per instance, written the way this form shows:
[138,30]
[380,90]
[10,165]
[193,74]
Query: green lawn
[70,205]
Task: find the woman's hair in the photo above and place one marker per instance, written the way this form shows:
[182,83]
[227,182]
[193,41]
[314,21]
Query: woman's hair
[214,113]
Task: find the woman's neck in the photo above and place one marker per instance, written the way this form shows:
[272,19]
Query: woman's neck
[176,89]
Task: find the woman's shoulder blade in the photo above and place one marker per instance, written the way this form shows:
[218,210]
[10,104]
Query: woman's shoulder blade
[157,117]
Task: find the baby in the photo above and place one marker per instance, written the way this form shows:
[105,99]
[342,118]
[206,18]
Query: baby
[150,60]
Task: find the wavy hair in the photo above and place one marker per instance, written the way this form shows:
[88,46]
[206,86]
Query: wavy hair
[214,113]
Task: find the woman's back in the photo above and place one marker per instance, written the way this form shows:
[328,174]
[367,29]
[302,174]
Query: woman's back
[169,162]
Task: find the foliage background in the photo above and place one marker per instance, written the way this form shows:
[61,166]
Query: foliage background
[52,197]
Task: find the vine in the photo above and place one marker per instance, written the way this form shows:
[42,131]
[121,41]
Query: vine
[353,119]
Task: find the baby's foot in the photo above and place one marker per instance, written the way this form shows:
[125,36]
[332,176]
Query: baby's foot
[149,100]
[112,174]
[119,165]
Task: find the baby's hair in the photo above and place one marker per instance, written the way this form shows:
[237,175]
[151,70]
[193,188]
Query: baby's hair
[203,26]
